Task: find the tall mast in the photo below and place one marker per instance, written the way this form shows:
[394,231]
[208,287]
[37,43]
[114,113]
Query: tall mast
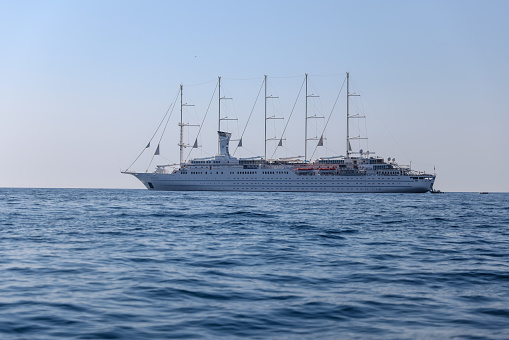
[347,115]
[265,81]
[219,118]
[307,117]
[219,99]
[306,127]
[348,95]
[181,144]
[267,118]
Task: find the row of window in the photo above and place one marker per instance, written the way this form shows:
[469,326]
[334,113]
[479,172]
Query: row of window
[332,161]
[238,172]
[265,173]
[378,167]
[200,172]
[388,173]
[205,162]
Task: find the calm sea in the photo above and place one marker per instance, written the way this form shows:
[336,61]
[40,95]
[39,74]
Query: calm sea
[137,264]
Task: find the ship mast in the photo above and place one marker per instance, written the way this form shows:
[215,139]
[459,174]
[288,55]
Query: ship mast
[267,118]
[181,124]
[221,118]
[348,115]
[181,144]
[265,153]
[219,104]
[306,125]
[348,95]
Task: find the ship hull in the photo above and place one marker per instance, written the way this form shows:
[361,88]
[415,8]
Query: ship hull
[285,183]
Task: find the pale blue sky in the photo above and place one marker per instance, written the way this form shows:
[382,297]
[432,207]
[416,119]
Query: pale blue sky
[83,84]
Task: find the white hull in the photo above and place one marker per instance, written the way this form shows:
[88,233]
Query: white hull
[289,182]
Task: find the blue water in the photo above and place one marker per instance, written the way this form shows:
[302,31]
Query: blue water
[136,264]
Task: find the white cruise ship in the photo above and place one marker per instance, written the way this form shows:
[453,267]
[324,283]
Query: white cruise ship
[357,172]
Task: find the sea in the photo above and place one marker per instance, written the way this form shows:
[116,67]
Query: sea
[140,264]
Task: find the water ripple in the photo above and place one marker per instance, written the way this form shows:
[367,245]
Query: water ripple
[110,264]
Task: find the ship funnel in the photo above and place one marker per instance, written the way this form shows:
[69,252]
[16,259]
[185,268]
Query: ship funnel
[224,141]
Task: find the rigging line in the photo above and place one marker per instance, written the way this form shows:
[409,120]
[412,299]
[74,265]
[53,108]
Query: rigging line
[291,113]
[334,152]
[203,121]
[241,78]
[252,152]
[328,75]
[290,150]
[170,107]
[287,77]
[296,76]
[249,118]
[164,130]
[169,161]
[207,82]
[330,114]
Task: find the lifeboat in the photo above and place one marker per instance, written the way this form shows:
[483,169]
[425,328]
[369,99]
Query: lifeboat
[326,170]
[305,171]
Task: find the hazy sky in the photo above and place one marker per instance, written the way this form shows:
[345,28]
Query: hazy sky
[84,84]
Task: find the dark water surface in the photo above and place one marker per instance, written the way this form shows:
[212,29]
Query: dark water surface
[105,264]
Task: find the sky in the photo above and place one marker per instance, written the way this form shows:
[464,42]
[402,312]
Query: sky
[85,84]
